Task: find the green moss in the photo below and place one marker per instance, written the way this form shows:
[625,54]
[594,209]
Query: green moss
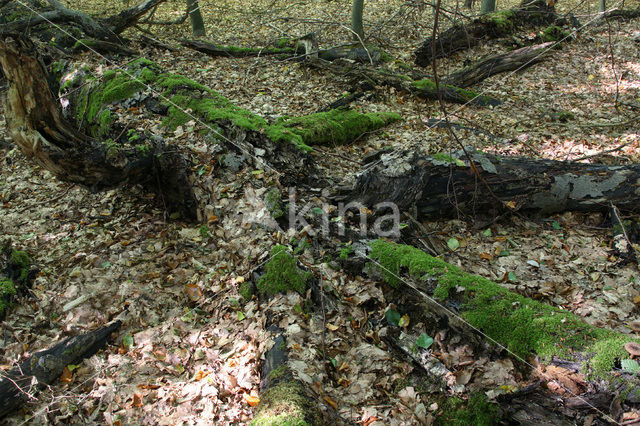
[113,89]
[337,126]
[425,84]
[7,291]
[109,75]
[84,43]
[345,252]
[279,373]
[476,411]
[105,120]
[20,259]
[282,274]
[246,290]
[273,202]
[147,75]
[503,21]
[286,404]
[522,325]
[554,33]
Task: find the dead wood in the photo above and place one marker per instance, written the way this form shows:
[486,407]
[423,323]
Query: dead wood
[36,124]
[530,13]
[446,185]
[19,384]
[360,74]
[515,60]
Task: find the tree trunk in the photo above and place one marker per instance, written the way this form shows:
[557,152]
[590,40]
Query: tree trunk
[446,185]
[602,6]
[356,20]
[195,15]
[487,6]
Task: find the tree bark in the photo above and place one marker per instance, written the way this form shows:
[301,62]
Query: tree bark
[19,384]
[195,15]
[496,64]
[448,185]
[423,88]
[356,20]
[36,124]
[487,6]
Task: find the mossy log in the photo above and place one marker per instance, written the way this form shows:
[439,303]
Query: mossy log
[284,400]
[423,88]
[37,125]
[534,334]
[20,384]
[445,185]
[511,61]
[530,13]
[237,51]
[104,47]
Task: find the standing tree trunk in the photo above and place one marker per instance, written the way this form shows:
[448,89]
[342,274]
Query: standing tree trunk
[487,6]
[197,23]
[602,6]
[356,20]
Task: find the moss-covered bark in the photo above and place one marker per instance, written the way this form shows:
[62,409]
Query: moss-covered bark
[523,326]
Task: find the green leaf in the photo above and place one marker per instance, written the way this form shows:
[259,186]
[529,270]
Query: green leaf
[257,172]
[240,316]
[404,321]
[334,362]
[72,367]
[453,244]
[487,232]
[393,317]
[504,253]
[424,341]
[556,225]
[318,211]
[201,171]
[512,277]
[630,365]
[127,342]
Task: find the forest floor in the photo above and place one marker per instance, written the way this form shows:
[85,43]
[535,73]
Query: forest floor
[189,351]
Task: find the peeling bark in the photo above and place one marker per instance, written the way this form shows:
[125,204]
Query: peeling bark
[446,185]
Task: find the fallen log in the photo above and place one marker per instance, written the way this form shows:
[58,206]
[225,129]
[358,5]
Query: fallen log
[444,185]
[235,51]
[36,124]
[550,344]
[423,88]
[515,60]
[529,14]
[20,384]
[88,146]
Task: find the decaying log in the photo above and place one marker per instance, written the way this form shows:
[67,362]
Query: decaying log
[19,384]
[530,13]
[515,60]
[551,344]
[36,124]
[103,47]
[444,185]
[424,88]
[236,52]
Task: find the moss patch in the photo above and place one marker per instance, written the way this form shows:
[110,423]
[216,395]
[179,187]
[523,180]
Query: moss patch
[554,33]
[522,325]
[476,411]
[17,271]
[273,202]
[503,21]
[338,126]
[282,274]
[286,404]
